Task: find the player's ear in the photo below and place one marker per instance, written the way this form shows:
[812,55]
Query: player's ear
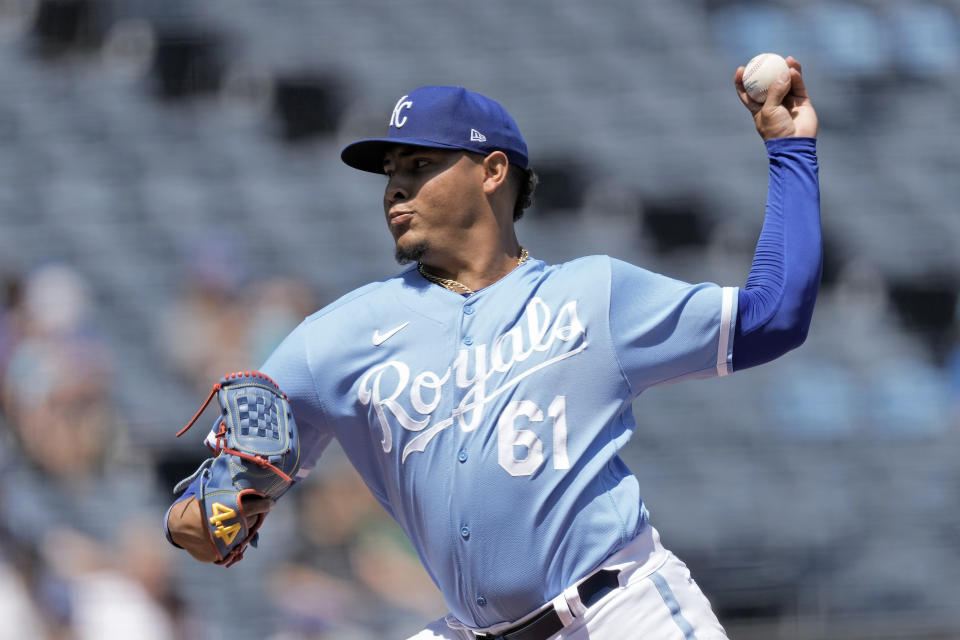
[495,169]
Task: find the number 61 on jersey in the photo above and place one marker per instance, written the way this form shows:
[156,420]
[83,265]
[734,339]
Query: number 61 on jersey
[509,436]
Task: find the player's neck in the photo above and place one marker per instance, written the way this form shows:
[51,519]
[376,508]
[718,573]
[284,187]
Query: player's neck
[472,270]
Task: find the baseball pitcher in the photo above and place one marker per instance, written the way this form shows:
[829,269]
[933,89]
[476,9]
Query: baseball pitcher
[483,395]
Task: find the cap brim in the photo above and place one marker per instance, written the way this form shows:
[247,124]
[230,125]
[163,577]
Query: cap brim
[367,155]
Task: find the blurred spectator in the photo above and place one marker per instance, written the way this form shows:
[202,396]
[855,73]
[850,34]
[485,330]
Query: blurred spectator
[78,508]
[56,376]
[224,321]
[279,304]
[356,575]
[204,329]
[58,403]
[57,303]
[21,617]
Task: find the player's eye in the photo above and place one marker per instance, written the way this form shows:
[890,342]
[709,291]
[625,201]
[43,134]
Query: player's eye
[420,163]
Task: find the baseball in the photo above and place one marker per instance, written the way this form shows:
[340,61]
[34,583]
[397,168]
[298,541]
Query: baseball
[760,72]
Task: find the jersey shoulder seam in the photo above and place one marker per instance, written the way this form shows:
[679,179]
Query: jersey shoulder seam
[613,345]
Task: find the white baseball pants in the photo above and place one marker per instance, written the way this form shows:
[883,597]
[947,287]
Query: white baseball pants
[657,600]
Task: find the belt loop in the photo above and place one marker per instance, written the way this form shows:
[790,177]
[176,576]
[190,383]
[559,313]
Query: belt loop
[563,609]
[571,595]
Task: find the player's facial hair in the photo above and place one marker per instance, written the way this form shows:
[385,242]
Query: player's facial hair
[413,253]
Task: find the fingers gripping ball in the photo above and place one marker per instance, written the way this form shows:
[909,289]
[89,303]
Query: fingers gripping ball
[760,72]
[256,453]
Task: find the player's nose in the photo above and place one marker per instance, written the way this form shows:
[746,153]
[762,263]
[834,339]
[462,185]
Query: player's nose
[394,193]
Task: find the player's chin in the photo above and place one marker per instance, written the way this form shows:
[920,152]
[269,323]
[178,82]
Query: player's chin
[408,251]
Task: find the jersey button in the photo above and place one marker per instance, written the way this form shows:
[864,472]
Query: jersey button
[468,341]
[481,601]
[462,456]
[465,532]
[468,310]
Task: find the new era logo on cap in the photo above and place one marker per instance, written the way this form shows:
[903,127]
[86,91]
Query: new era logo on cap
[443,118]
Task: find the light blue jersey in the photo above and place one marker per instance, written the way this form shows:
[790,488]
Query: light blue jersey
[488,426]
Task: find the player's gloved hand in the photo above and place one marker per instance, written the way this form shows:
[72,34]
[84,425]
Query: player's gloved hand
[188,526]
[257,454]
[787,112]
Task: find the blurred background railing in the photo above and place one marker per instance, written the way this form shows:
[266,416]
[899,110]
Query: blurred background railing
[172,202]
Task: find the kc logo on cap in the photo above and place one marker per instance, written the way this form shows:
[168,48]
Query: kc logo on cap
[395,119]
[444,118]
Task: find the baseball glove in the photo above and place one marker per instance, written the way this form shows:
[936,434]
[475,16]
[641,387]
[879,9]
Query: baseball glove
[256,453]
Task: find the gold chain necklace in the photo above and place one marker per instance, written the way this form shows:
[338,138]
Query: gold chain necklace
[459,287]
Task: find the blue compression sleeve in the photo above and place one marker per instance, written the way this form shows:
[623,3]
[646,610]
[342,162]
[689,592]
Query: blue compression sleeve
[775,306]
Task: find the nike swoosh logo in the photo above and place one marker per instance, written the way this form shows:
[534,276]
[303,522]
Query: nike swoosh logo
[380,338]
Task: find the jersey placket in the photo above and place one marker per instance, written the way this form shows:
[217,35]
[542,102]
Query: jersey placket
[460,518]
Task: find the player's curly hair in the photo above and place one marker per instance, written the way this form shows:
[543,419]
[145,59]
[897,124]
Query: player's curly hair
[526,181]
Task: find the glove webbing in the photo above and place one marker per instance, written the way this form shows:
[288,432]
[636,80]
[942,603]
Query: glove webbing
[221,432]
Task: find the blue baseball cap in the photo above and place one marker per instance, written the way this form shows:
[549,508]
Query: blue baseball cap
[443,118]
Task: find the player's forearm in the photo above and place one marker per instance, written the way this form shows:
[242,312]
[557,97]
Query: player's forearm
[184,528]
[172,518]
[776,305]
